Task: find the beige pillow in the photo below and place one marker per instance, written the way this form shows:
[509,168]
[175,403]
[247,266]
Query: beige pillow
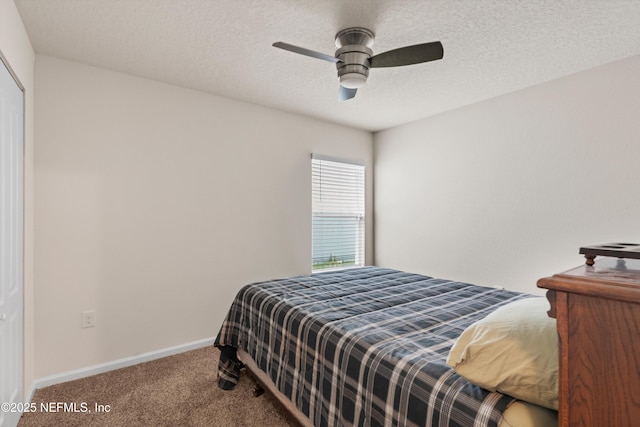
[513,350]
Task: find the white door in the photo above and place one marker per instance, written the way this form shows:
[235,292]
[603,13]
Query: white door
[11,241]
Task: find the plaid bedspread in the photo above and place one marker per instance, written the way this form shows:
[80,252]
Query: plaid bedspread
[364,347]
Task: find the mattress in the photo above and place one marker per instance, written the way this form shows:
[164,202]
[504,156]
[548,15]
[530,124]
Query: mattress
[517,414]
[364,346]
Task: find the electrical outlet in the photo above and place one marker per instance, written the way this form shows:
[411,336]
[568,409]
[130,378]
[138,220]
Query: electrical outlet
[88,319]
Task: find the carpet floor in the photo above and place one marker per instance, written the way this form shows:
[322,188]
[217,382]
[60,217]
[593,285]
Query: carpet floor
[179,390]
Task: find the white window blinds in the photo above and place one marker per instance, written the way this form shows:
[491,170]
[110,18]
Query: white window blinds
[338,214]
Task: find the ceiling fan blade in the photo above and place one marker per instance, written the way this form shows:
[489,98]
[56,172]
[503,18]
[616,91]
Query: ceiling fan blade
[307,52]
[408,55]
[345,93]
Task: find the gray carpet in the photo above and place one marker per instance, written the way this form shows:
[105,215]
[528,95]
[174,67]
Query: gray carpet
[179,390]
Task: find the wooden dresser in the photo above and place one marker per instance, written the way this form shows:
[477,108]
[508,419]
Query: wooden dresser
[597,309]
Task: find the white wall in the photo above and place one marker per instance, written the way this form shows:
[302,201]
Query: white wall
[506,191]
[155,204]
[16,49]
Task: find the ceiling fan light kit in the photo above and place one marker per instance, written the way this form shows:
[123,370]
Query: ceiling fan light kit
[353,80]
[354,57]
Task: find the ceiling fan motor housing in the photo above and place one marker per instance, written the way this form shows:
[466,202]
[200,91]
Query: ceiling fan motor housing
[354,50]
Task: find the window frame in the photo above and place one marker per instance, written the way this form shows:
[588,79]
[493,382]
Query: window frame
[356,210]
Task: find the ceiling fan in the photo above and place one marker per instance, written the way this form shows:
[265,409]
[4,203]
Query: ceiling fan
[354,57]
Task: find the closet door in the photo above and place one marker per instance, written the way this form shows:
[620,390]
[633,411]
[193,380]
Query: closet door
[11,244]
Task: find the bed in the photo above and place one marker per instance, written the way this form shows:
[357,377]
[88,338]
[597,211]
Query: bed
[367,347]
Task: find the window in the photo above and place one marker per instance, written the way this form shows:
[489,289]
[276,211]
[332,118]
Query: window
[338,214]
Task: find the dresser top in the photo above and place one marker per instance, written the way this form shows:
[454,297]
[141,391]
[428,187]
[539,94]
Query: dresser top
[610,269]
[612,278]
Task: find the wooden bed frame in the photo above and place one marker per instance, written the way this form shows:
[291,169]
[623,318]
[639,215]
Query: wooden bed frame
[597,309]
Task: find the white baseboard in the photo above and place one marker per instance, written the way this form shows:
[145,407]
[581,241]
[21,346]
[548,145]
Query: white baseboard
[117,364]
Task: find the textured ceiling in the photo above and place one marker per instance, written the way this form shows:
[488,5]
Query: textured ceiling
[491,47]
